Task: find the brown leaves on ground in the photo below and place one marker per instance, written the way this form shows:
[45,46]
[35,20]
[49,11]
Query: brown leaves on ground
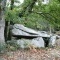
[38,54]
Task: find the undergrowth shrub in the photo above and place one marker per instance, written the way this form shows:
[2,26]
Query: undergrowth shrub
[12,45]
[2,48]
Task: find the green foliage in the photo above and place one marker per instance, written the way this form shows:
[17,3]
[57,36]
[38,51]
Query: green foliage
[34,20]
[53,8]
[2,48]
[31,21]
[12,15]
[12,45]
[55,11]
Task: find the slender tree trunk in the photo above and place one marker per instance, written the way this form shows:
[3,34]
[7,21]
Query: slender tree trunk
[12,4]
[10,22]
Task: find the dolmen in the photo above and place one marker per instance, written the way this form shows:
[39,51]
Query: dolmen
[34,37]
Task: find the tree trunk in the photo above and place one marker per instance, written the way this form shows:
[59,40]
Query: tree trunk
[2,21]
[2,26]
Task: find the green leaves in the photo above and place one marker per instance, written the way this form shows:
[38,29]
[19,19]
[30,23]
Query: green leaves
[34,20]
[11,15]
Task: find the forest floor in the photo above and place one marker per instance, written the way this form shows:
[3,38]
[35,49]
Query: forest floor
[39,54]
[34,54]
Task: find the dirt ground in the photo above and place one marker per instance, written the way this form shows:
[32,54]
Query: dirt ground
[38,54]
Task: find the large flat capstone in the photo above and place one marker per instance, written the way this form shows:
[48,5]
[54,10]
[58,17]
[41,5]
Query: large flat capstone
[20,30]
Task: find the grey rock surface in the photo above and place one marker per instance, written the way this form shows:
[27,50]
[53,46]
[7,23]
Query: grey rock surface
[19,29]
[36,42]
[52,40]
[19,32]
[25,29]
